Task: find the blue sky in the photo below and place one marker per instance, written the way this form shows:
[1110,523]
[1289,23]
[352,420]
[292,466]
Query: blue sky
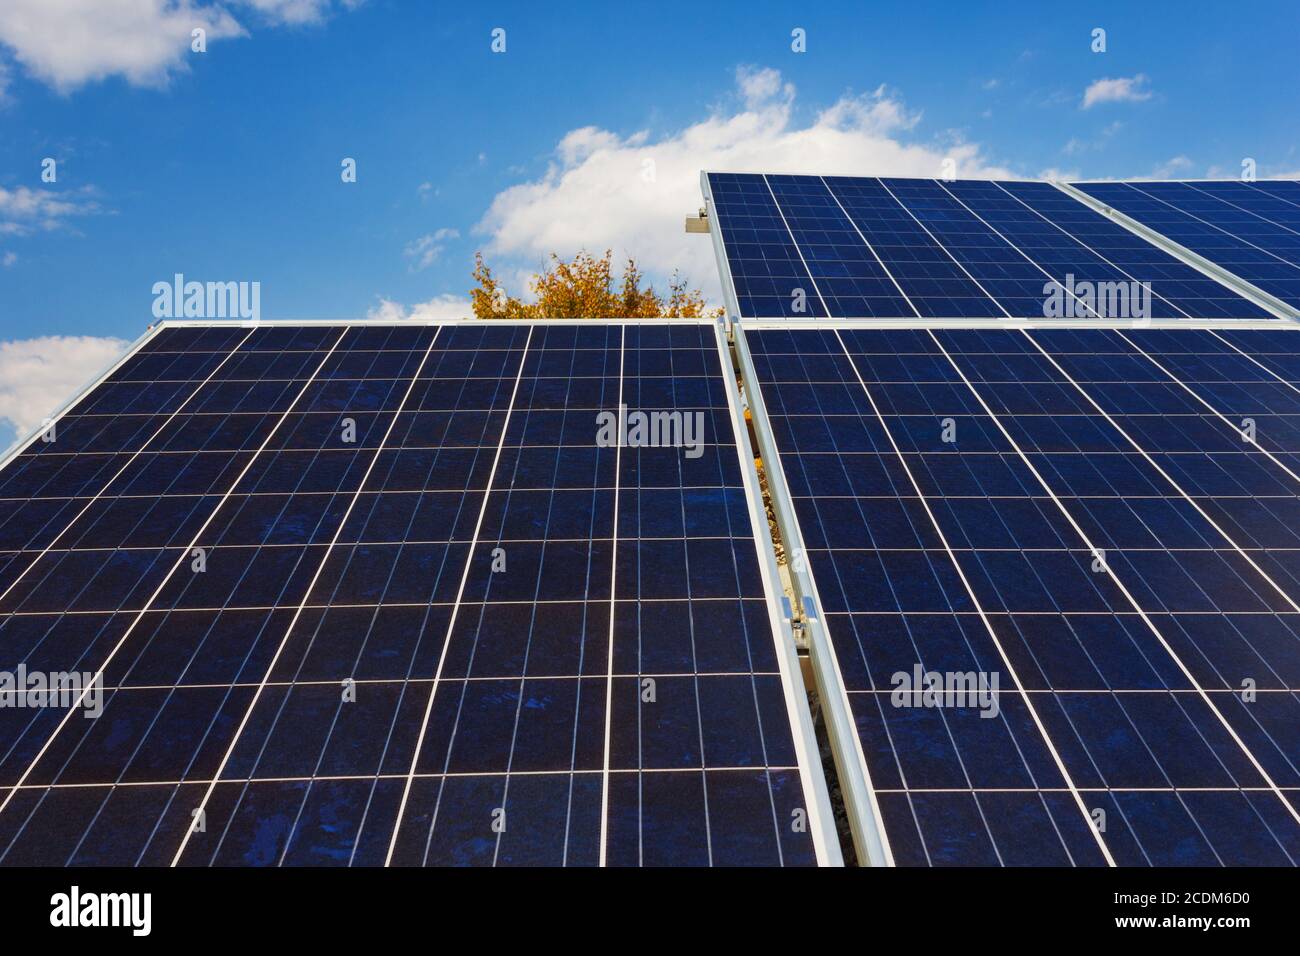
[225,165]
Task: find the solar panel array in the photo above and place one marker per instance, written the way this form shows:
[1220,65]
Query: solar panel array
[367,594]
[1252,229]
[847,247]
[1074,523]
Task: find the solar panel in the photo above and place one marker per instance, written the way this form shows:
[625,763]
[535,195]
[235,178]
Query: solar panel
[1056,583]
[768,276]
[1068,240]
[846,247]
[1250,229]
[367,594]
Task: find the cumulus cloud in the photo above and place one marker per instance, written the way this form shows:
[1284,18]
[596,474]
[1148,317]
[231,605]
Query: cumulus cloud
[24,210]
[445,306]
[69,43]
[630,193]
[38,375]
[1121,89]
[424,252]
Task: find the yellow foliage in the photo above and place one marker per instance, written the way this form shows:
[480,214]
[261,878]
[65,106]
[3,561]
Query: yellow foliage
[585,289]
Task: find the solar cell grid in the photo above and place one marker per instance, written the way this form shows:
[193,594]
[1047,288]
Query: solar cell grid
[765,267]
[934,283]
[479,731]
[1249,229]
[1069,240]
[847,277]
[1077,550]
[898,248]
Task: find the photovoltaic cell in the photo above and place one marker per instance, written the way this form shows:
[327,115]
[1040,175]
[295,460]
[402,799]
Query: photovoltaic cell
[353,590]
[1250,229]
[847,247]
[1076,514]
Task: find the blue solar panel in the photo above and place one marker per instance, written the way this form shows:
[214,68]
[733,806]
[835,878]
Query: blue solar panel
[935,282]
[768,275]
[1077,516]
[353,590]
[847,277]
[1250,229]
[904,248]
[1068,239]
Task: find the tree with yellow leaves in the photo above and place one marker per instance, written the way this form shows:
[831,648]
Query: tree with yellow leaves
[585,289]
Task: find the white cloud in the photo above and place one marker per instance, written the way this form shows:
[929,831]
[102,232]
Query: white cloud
[23,209]
[424,252]
[761,86]
[1263,171]
[444,306]
[1121,89]
[292,11]
[38,375]
[630,193]
[69,43]
[9,259]
[1108,132]
[1172,168]
[1058,174]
